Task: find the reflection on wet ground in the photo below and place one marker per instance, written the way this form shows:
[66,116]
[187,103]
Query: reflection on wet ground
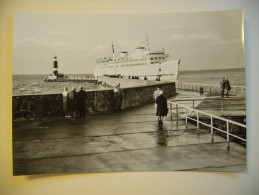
[131,140]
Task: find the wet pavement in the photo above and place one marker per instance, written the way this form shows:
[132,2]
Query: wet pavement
[129,140]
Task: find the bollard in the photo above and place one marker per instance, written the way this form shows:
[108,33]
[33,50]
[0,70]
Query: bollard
[201,90]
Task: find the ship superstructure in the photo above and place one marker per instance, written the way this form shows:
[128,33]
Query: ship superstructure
[142,62]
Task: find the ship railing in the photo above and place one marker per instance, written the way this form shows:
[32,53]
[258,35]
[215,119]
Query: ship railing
[80,77]
[211,89]
[215,123]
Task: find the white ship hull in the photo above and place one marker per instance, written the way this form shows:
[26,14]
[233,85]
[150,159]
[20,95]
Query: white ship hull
[143,62]
[168,69]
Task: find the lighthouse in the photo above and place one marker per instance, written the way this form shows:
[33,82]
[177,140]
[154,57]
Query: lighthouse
[55,67]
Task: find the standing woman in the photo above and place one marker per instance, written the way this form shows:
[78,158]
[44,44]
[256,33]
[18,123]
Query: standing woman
[118,96]
[162,109]
[72,103]
[65,101]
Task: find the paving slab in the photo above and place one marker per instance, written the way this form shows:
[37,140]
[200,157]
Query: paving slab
[129,140]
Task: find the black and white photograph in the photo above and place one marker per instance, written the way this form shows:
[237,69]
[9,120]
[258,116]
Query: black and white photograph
[95,93]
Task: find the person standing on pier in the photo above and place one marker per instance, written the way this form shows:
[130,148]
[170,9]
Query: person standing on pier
[227,86]
[72,103]
[222,84]
[118,96]
[81,98]
[156,92]
[65,101]
[162,109]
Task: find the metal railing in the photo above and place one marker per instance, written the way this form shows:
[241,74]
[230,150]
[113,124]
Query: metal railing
[176,108]
[193,100]
[216,89]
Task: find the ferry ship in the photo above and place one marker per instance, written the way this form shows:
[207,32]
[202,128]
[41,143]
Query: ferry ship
[143,63]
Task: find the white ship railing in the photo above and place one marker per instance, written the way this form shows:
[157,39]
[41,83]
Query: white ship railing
[184,111]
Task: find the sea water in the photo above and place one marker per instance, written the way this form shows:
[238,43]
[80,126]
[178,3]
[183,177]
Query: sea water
[213,77]
[34,84]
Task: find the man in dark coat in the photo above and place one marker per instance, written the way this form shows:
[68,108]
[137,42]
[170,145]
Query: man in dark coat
[222,85]
[162,109]
[72,103]
[81,98]
[227,86]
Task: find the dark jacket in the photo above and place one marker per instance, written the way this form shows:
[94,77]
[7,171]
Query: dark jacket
[161,106]
[81,97]
[72,100]
[227,85]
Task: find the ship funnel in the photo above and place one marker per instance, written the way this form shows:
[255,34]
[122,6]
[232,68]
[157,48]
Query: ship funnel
[123,54]
[140,49]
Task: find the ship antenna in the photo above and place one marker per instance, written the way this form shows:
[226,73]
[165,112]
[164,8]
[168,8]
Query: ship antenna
[112,51]
[147,41]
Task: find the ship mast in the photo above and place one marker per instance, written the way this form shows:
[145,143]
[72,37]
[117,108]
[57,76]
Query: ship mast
[147,42]
[112,51]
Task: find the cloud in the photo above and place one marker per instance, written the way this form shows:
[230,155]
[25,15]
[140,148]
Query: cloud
[226,41]
[170,27]
[192,36]
[49,43]
[58,33]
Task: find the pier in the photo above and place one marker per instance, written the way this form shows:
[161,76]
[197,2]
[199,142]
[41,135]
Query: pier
[129,140]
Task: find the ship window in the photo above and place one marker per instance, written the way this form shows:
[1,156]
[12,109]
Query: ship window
[159,58]
[155,58]
[151,58]
[163,58]
[152,62]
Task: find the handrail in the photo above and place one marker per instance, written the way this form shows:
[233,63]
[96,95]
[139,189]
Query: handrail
[211,84]
[207,98]
[210,88]
[211,116]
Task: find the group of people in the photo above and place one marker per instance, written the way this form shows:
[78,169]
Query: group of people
[74,102]
[160,104]
[225,85]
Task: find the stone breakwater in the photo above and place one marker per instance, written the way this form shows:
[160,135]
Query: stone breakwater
[38,106]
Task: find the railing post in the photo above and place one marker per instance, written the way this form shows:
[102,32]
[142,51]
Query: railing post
[171,110]
[198,123]
[222,109]
[192,103]
[212,132]
[186,119]
[177,114]
[228,135]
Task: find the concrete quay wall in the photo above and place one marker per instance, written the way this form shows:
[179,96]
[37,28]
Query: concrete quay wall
[38,106]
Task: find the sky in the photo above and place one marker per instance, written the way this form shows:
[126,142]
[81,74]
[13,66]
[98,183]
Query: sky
[202,40]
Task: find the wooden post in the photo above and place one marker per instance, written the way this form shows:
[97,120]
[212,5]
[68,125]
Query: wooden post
[198,123]
[171,110]
[186,119]
[228,134]
[177,114]
[212,132]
